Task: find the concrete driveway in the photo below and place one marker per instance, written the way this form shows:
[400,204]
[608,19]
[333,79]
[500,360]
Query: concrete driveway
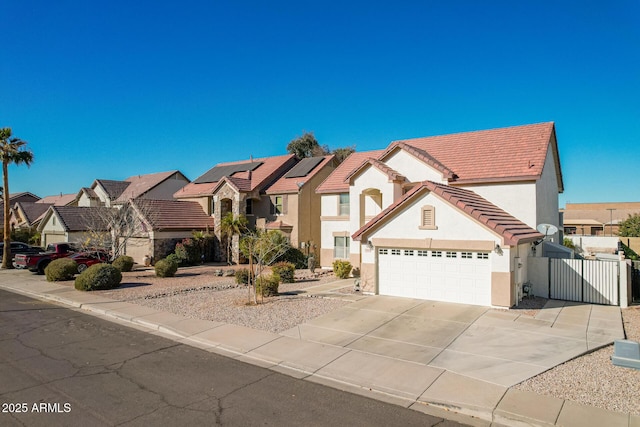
[497,346]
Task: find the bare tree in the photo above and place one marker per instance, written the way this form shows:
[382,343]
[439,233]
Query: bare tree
[112,227]
[263,247]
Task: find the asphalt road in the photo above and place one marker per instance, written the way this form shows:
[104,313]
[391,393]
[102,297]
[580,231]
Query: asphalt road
[63,367]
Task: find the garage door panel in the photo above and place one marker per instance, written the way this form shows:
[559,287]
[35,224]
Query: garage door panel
[461,277]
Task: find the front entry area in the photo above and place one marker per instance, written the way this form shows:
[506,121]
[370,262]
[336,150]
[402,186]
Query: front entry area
[452,276]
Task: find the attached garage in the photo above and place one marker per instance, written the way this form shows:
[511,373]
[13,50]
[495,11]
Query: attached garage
[450,276]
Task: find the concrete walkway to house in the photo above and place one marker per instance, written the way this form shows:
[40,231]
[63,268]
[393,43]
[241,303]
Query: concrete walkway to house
[451,360]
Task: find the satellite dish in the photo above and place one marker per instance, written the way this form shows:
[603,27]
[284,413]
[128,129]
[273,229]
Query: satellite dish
[547,229]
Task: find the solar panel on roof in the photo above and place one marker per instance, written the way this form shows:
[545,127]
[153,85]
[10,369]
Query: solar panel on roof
[304,167]
[219,172]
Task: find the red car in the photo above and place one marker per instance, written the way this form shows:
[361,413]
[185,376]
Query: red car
[87,259]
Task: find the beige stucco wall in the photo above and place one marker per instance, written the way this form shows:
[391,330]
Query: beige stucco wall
[547,205]
[166,189]
[502,290]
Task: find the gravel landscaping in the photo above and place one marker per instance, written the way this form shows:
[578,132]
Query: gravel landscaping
[197,292]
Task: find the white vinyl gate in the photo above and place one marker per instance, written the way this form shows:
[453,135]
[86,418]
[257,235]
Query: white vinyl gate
[589,281]
[451,276]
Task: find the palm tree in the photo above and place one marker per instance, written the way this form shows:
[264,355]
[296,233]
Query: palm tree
[230,226]
[12,151]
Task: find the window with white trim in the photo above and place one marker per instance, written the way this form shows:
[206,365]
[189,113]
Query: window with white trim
[482,255]
[436,254]
[343,204]
[466,255]
[409,252]
[452,254]
[423,253]
[341,247]
[382,251]
[395,251]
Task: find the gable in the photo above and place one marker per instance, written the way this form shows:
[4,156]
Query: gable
[476,208]
[449,222]
[412,167]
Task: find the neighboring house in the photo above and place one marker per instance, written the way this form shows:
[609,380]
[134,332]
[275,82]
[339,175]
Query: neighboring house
[596,219]
[29,214]
[155,186]
[157,227]
[71,224]
[450,218]
[163,223]
[272,192]
[15,198]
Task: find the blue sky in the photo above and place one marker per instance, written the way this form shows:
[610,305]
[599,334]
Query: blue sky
[111,89]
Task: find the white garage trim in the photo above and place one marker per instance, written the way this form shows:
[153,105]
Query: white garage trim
[459,276]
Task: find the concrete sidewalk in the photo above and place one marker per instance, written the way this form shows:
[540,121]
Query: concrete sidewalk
[450,360]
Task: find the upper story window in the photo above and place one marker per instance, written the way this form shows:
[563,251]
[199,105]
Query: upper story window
[428,218]
[249,207]
[343,204]
[278,205]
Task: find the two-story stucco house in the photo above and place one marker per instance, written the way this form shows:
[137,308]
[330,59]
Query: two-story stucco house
[272,193]
[449,218]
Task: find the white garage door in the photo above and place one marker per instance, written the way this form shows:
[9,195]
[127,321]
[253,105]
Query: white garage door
[452,276]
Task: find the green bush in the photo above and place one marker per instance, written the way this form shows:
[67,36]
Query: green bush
[341,268]
[98,277]
[267,286]
[242,276]
[175,258]
[166,267]
[189,251]
[285,270]
[61,269]
[294,256]
[123,263]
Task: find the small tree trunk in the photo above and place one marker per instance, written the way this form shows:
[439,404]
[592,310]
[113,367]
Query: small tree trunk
[6,256]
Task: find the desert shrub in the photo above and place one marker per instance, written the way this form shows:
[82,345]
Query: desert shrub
[61,269]
[568,243]
[341,268]
[98,277]
[166,267]
[189,251]
[294,256]
[242,276]
[174,258]
[123,263]
[285,270]
[267,286]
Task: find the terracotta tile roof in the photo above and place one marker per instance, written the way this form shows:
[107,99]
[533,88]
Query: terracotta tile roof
[89,192]
[174,214]
[58,200]
[512,230]
[278,225]
[113,188]
[31,210]
[260,178]
[138,185]
[336,182]
[241,184]
[75,218]
[506,154]
[290,184]
[382,167]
